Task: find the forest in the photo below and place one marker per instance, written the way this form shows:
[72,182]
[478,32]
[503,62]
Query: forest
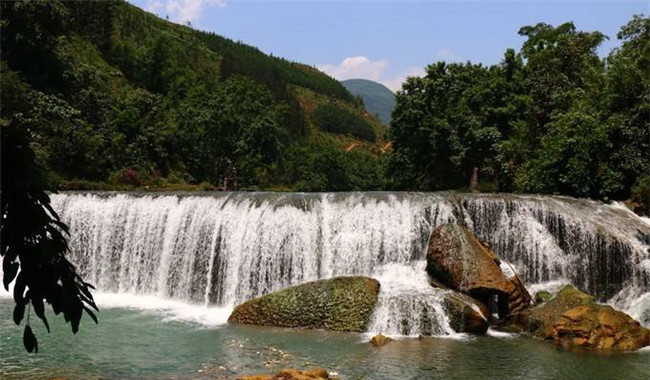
[551,118]
[112,97]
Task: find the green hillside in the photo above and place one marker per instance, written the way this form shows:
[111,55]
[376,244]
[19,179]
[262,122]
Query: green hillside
[377,98]
[114,96]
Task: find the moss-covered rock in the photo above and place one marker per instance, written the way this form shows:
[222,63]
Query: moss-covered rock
[573,318]
[341,304]
[542,296]
[539,320]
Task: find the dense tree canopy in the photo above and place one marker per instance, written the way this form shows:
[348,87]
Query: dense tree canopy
[117,96]
[120,97]
[553,118]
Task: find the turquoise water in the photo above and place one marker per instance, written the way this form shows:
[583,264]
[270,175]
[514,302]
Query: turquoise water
[190,343]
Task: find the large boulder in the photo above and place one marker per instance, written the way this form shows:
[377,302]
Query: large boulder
[456,259]
[341,304]
[573,318]
[465,313]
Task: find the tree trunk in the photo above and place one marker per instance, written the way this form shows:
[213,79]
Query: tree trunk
[473,183]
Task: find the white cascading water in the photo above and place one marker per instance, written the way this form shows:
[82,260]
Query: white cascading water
[407,304]
[223,248]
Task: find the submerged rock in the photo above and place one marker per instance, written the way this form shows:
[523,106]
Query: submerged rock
[380,340]
[292,374]
[341,304]
[465,313]
[459,261]
[573,318]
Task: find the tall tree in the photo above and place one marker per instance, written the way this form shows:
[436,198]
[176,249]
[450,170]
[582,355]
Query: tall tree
[627,104]
[560,61]
[554,118]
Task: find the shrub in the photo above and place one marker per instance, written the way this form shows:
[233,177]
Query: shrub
[334,119]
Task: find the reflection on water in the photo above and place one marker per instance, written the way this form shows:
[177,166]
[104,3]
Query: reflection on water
[133,344]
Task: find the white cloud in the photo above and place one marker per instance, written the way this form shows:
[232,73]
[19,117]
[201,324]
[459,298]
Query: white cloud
[448,55]
[356,68]
[361,67]
[395,83]
[181,10]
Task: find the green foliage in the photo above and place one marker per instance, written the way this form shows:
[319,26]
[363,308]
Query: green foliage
[104,88]
[445,125]
[109,88]
[570,160]
[323,167]
[336,119]
[553,118]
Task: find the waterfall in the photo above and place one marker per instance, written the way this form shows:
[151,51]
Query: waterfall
[223,248]
[407,304]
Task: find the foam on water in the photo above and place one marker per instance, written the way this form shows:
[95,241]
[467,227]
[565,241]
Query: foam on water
[501,334]
[172,310]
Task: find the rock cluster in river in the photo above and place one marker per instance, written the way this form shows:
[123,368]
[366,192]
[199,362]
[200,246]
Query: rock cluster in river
[475,285]
[459,261]
[340,304]
[573,318]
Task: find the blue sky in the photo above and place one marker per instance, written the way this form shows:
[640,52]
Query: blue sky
[388,40]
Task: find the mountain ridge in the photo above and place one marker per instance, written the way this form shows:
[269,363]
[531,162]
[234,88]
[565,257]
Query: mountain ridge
[378,99]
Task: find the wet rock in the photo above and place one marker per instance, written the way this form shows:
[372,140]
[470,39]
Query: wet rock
[380,340]
[540,319]
[572,318]
[465,313]
[510,328]
[292,374]
[542,296]
[458,260]
[341,304]
[317,373]
[519,298]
